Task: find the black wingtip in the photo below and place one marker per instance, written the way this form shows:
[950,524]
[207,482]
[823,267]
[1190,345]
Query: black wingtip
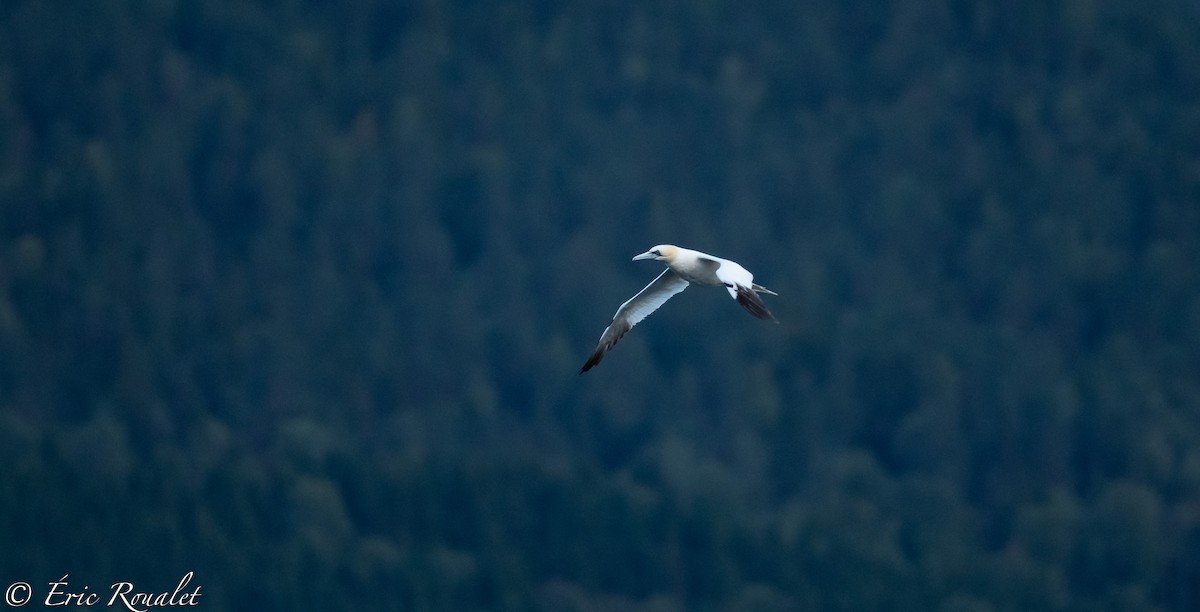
[608,339]
[595,358]
[592,361]
[754,304]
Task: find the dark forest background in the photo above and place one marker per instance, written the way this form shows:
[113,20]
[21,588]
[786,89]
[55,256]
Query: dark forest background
[293,295]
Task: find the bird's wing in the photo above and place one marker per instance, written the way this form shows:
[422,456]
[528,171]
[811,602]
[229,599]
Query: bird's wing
[740,284]
[711,263]
[732,274]
[753,304]
[633,311]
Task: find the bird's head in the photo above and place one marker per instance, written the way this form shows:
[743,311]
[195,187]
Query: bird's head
[662,252]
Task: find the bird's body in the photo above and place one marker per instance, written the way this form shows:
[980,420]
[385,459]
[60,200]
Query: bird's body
[684,267]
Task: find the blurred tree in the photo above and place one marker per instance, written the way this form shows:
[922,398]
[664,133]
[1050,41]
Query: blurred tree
[293,296]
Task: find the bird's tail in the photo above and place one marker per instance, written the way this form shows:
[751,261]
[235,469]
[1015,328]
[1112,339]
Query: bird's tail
[759,288]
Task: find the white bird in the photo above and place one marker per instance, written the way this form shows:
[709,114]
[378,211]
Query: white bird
[684,266]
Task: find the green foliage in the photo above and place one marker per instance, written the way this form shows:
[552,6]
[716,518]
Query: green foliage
[293,296]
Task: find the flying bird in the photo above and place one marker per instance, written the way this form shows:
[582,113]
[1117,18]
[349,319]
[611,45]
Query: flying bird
[684,267]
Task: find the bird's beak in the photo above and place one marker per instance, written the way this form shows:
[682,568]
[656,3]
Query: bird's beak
[646,255]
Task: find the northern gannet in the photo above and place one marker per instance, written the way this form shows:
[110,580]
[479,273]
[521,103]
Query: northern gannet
[684,266]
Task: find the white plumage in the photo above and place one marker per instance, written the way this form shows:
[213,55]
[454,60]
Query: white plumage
[684,267]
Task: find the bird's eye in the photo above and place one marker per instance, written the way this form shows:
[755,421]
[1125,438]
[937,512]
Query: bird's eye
[655,251]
